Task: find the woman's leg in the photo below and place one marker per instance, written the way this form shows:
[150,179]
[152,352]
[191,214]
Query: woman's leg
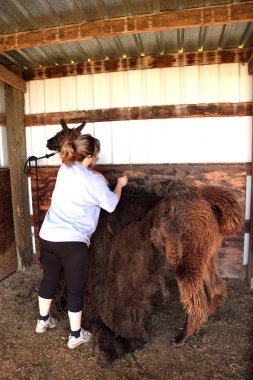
[44,306]
[75,320]
[51,272]
[76,267]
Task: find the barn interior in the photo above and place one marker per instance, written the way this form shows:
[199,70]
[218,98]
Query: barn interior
[173,44]
[165,85]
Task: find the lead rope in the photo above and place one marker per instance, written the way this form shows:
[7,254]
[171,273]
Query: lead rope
[27,170]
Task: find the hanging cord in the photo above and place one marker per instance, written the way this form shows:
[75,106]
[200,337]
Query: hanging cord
[27,165]
[27,170]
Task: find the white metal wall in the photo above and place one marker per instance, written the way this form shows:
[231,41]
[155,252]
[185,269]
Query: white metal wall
[193,140]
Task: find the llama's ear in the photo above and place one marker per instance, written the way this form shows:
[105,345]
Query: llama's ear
[64,125]
[80,127]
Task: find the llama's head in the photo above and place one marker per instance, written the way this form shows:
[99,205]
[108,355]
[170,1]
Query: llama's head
[166,231]
[164,214]
[55,142]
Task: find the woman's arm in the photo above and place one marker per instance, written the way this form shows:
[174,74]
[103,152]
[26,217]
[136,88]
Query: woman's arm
[100,175]
[121,182]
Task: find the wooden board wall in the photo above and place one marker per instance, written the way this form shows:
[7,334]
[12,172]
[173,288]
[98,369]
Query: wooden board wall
[232,176]
[8,255]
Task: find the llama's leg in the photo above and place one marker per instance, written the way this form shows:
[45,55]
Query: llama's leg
[181,338]
[215,287]
[194,300]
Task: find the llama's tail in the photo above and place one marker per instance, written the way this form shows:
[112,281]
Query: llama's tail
[225,207]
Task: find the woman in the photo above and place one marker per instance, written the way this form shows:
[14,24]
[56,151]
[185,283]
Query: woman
[79,194]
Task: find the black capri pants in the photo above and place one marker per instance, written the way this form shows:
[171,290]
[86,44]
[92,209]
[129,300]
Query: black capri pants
[73,257]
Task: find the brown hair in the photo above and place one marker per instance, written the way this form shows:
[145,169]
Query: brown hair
[79,148]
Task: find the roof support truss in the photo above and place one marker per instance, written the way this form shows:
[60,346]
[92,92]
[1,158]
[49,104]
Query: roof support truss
[178,19]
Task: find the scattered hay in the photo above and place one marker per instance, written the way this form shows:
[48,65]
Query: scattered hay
[222,349]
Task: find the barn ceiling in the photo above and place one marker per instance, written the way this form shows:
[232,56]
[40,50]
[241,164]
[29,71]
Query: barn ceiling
[17,16]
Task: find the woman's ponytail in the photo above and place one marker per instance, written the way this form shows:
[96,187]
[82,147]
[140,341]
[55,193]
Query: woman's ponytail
[80,148]
[68,152]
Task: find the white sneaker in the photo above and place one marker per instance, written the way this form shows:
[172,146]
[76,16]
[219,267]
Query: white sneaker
[85,337]
[42,326]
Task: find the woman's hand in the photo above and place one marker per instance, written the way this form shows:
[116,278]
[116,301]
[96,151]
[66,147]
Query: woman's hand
[123,181]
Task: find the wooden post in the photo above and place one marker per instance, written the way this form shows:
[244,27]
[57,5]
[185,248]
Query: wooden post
[250,261]
[14,107]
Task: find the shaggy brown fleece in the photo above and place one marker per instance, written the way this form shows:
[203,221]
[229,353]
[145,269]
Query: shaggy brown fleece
[132,248]
[189,225]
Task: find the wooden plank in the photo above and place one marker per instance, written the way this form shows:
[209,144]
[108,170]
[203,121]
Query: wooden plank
[250,64]
[2,120]
[13,80]
[228,175]
[6,217]
[8,254]
[142,113]
[14,106]
[139,63]
[183,18]
[8,261]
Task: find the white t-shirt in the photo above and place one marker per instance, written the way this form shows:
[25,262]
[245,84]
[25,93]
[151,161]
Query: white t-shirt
[76,201]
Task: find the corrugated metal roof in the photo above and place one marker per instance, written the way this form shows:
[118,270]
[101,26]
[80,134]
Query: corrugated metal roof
[22,15]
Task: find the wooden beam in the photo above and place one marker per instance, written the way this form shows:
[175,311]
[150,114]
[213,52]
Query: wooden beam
[2,120]
[139,63]
[250,64]
[13,80]
[177,19]
[14,107]
[142,113]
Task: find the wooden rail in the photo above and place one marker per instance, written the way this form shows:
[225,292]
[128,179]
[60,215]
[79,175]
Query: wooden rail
[143,113]
[139,63]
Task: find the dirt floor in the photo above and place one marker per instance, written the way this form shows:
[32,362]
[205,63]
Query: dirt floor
[222,349]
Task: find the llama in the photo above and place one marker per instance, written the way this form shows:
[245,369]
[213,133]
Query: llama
[55,142]
[116,275]
[189,225]
[183,227]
